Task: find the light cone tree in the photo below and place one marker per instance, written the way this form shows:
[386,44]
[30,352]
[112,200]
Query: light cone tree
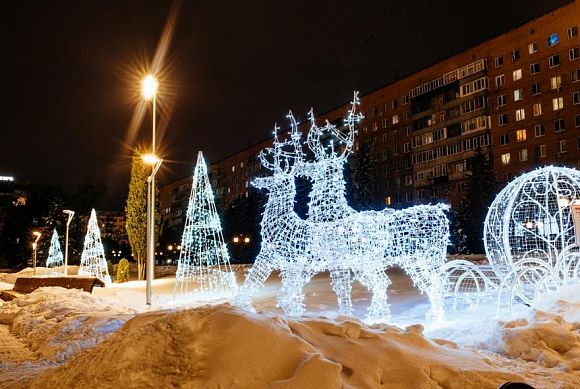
[55,257]
[93,262]
[204,261]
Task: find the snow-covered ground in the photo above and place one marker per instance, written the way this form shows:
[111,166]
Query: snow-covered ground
[67,338]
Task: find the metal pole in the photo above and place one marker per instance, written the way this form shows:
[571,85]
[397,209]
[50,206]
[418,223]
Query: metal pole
[34,259]
[70,216]
[150,251]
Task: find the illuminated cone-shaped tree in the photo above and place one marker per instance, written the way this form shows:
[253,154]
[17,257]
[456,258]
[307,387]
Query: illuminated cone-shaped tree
[93,262]
[55,258]
[204,261]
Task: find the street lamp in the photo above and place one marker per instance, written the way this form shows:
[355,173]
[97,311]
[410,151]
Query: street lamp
[70,216]
[34,246]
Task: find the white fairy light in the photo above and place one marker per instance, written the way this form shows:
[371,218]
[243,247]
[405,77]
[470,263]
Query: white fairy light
[55,257]
[204,261]
[335,237]
[93,262]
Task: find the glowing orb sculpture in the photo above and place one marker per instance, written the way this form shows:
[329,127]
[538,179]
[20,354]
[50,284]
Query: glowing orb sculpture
[529,233]
[93,262]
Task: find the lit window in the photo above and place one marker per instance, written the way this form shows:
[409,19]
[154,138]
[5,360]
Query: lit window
[408,180]
[498,62]
[388,200]
[517,74]
[536,89]
[503,119]
[559,125]
[505,158]
[520,114]
[499,80]
[523,155]
[539,130]
[504,139]
[375,126]
[572,32]
[556,82]
[535,68]
[518,95]
[501,100]
[233,168]
[576,97]
[521,135]
[537,109]
[554,60]
[533,47]
[395,118]
[562,146]
[553,40]
[574,53]
[557,103]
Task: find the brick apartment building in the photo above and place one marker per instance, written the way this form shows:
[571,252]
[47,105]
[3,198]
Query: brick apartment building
[516,96]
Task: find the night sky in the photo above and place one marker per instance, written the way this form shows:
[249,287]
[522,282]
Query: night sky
[71,70]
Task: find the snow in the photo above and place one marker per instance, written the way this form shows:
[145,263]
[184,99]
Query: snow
[69,338]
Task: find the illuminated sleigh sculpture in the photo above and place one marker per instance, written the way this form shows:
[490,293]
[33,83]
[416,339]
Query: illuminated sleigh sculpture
[337,238]
[529,239]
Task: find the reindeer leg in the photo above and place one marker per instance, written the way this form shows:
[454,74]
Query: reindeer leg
[375,279]
[342,286]
[291,294]
[254,280]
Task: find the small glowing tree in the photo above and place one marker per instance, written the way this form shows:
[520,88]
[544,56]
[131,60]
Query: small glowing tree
[93,262]
[204,261]
[55,258]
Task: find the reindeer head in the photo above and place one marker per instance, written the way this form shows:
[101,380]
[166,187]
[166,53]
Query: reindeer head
[278,160]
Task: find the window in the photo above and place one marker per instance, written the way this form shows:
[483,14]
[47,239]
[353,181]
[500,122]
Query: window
[533,47]
[557,103]
[576,97]
[520,114]
[395,118]
[518,95]
[559,125]
[499,80]
[396,151]
[515,55]
[572,32]
[386,155]
[505,159]
[498,61]
[554,60]
[561,145]
[385,123]
[421,194]
[375,126]
[374,111]
[574,53]
[523,155]
[407,131]
[536,89]
[577,121]
[408,180]
[541,151]
[405,100]
[556,82]
[539,130]
[394,103]
[233,168]
[521,135]
[407,147]
[395,135]
[388,200]
[504,139]
[553,40]
[503,119]
[517,74]
[409,197]
[501,100]
[537,109]
[575,76]
[535,68]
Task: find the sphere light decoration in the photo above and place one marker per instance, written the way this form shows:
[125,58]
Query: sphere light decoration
[529,234]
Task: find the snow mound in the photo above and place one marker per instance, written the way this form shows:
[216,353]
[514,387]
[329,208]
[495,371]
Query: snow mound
[10,278]
[57,323]
[221,346]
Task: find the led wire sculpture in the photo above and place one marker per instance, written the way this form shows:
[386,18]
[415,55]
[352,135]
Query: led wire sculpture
[337,238]
[204,261]
[93,262]
[55,258]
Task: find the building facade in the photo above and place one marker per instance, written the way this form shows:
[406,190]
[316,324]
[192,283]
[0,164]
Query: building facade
[515,97]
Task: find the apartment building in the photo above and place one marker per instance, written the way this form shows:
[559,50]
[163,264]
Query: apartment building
[515,97]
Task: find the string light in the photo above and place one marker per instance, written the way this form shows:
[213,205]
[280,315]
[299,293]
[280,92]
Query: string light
[93,262]
[55,257]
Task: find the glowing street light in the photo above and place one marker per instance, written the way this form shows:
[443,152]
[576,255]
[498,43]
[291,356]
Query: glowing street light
[70,216]
[34,246]
[236,239]
[149,87]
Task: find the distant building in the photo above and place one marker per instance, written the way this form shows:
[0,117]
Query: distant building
[516,96]
[111,225]
[12,194]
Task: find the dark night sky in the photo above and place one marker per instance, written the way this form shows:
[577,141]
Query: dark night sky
[233,69]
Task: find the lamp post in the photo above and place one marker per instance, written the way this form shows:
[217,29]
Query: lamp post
[34,246]
[149,90]
[70,216]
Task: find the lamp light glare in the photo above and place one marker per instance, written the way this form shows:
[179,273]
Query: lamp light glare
[149,87]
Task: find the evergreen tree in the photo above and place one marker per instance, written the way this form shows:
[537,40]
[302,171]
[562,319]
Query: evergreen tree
[361,182]
[481,189]
[136,211]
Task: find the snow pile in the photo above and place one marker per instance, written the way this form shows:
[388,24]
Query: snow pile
[57,323]
[10,278]
[221,346]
